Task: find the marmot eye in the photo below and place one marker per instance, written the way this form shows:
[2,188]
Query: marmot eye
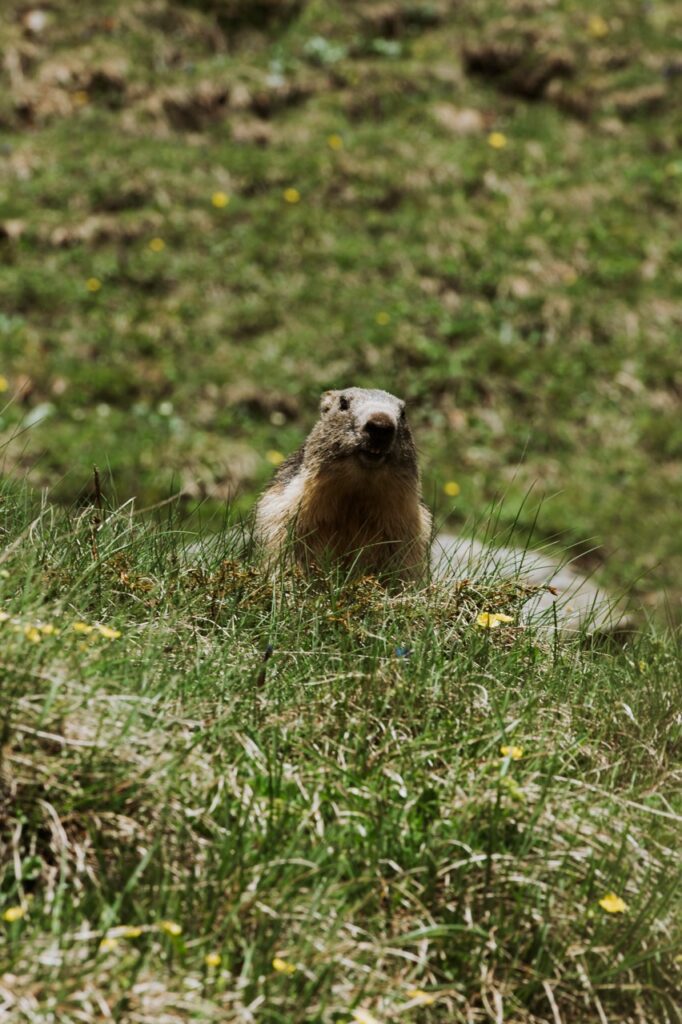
[344,404]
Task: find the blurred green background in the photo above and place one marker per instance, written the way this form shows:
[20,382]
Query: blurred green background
[210,212]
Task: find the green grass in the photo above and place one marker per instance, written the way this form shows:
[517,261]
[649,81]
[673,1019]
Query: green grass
[314,772]
[532,291]
[342,804]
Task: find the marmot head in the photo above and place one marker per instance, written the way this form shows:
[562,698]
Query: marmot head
[366,427]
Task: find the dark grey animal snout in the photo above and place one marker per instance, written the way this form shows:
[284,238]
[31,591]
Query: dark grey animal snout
[380,431]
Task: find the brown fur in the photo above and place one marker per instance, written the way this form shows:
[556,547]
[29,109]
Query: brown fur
[335,506]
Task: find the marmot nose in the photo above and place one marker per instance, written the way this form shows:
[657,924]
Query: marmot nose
[380,430]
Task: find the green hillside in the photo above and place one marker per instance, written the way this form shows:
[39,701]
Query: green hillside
[231,798]
[211,212]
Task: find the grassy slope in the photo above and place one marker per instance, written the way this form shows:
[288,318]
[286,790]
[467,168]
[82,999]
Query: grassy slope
[531,292]
[341,807]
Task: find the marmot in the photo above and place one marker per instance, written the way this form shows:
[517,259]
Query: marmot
[351,495]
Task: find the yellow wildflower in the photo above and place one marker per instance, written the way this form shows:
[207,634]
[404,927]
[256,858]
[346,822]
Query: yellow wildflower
[48,629]
[515,753]
[108,943]
[32,634]
[424,998]
[4,383]
[613,904]
[212,959]
[497,140]
[93,284]
[491,620]
[335,142]
[283,966]
[157,245]
[597,27]
[383,318]
[275,458]
[291,195]
[171,928]
[81,627]
[451,488]
[220,200]
[108,633]
[13,914]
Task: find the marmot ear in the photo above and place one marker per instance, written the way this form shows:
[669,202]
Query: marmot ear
[327,400]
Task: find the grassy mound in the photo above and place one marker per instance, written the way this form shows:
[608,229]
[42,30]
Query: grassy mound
[228,798]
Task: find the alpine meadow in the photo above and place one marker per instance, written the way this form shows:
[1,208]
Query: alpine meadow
[237,796]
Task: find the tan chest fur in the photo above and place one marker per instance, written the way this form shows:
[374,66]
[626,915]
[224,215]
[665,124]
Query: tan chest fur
[373,521]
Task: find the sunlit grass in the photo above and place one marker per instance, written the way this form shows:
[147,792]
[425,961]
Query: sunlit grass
[227,790]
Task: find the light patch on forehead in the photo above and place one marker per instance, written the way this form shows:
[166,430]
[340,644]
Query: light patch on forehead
[367,403]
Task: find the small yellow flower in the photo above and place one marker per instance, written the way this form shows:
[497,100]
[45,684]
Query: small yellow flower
[515,753]
[81,627]
[108,632]
[291,195]
[4,383]
[491,620]
[283,966]
[32,634]
[80,98]
[220,200]
[497,140]
[362,1016]
[383,318]
[613,904]
[424,998]
[451,488]
[93,284]
[275,458]
[108,943]
[171,928]
[335,142]
[13,914]
[642,666]
[48,629]
[212,959]
[157,245]
[597,27]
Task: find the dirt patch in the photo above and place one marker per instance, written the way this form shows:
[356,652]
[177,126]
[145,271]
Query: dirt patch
[193,109]
[393,20]
[459,120]
[61,87]
[645,99]
[521,68]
